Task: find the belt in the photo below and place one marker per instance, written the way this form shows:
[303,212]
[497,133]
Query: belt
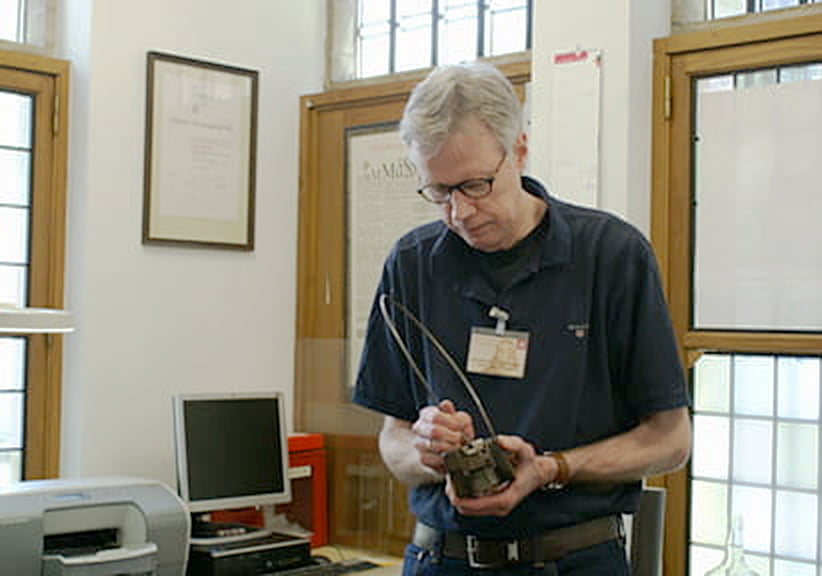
[547,547]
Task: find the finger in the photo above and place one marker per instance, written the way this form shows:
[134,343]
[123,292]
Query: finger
[447,406]
[462,421]
[517,446]
[445,426]
[429,453]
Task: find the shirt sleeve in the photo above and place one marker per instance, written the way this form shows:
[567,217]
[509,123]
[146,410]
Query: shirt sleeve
[385,381]
[644,353]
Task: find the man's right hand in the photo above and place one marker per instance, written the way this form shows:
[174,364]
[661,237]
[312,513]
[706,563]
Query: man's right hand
[440,429]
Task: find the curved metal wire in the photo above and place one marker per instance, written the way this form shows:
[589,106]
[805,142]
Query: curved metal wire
[439,347]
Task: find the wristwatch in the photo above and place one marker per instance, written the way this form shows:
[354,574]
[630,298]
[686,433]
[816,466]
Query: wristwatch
[563,472]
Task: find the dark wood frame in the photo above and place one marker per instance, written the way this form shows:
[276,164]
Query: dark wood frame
[199,239]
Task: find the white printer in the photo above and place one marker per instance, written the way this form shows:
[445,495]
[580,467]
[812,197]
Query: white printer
[92,527]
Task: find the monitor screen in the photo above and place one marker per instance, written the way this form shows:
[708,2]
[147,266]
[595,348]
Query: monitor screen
[232,450]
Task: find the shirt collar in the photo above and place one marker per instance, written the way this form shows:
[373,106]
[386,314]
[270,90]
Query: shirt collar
[450,252]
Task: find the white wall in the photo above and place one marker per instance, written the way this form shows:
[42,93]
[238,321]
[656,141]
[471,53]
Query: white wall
[153,321]
[623,30]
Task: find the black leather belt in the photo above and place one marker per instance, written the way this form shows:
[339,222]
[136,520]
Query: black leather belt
[547,547]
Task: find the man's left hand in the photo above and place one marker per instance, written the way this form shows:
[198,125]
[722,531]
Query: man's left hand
[527,478]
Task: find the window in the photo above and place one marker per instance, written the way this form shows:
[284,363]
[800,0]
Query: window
[737,133]
[756,455]
[32,206]
[728,8]
[26,22]
[393,36]
[12,21]
[756,417]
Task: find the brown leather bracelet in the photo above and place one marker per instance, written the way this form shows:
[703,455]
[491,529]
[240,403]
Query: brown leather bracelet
[563,472]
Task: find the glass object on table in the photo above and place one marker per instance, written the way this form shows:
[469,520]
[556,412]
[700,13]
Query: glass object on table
[734,563]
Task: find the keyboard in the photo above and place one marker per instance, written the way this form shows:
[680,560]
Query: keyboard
[329,568]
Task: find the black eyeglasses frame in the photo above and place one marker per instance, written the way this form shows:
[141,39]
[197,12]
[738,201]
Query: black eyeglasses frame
[463,187]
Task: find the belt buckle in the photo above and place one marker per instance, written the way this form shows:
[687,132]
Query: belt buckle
[472,550]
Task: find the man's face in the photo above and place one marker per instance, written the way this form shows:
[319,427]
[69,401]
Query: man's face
[496,221]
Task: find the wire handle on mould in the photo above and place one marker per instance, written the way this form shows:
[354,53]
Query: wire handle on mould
[439,347]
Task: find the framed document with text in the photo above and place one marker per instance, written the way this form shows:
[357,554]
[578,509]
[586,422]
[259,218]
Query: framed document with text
[381,205]
[200,147]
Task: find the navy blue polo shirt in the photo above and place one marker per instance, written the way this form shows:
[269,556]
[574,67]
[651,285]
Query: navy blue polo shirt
[601,352]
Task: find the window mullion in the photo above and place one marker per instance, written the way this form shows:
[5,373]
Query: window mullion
[392,38]
[435,33]
[480,28]
[529,23]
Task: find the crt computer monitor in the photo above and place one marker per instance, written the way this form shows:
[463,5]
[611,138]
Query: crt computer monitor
[231,450]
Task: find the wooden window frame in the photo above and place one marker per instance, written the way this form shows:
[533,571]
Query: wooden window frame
[784,37]
[46,79]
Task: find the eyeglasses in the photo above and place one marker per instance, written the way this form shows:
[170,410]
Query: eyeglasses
[474,188]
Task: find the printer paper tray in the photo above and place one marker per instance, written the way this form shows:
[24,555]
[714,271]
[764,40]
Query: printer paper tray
[125,560]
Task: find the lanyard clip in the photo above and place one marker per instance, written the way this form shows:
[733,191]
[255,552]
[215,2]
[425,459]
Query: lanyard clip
[502,317]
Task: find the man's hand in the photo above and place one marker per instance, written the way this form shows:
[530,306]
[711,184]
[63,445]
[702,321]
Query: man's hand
[441,429]
[528,476]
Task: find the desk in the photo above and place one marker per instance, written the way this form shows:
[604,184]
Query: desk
[389,565]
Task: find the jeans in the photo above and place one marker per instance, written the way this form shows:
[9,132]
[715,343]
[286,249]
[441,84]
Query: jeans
[606,559]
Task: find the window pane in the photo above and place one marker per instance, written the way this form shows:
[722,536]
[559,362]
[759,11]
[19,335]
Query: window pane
[756,78]
[776,4]
[759,564]
[10,467]
[709,505]
[9,15]
[715,84]
[799,73]
[11,420]
[754,505]
[15,120]
[753,442]
[372,11]
[373,55]
[373,38]
[753,385]
[14,235]
[457,32]
[788,568]
[726,8]
[506,24]
[798,382]
[703,559]
[12,356]
[744,279]
[413,35]
[712,375]
[796,525]
[12,284]
[796,455]
[14,176]
[711,447]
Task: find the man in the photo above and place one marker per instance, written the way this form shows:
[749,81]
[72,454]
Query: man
[591,397]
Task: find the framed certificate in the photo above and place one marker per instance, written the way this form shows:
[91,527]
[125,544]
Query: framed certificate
[200,147]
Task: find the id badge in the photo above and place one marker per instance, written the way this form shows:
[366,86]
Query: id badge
[495,354]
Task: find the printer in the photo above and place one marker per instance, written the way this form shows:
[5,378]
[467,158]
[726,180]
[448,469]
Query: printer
[92,527]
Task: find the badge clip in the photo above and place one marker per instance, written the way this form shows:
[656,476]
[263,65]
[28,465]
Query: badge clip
[502,317]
